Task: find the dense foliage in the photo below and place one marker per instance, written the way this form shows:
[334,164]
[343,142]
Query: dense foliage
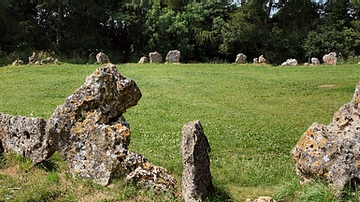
[203,32]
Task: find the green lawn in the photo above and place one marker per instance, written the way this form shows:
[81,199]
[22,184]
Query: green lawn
[252,115]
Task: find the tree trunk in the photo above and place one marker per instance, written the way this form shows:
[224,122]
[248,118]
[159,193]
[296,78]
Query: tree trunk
[268,12]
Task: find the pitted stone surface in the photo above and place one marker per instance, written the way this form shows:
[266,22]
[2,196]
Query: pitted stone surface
[241,58]
[89,130]
[332,152]
[315,61]
[102,58]
[153,177]
[330,59]
[196,177]
[143,59]
[24,136]
[155,57]
[262,59]
[173,56]
[290,62]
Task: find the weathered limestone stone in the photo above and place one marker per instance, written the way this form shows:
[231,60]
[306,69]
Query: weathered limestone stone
[25,136]
[56,62]
[255,60]
[17,62]
[173,56]
[262,59]
[330,59]
[89,130]
[332,152]
[48,60]
[290,62]
[102,58]
[143,59]
[149,175]
[33,58]
[196,177]
[92,58]
[155,57]
[315,61]
[241,58]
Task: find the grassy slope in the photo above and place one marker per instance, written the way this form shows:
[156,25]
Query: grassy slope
[252,115]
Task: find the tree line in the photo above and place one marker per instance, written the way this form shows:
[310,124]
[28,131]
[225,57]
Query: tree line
[203,32]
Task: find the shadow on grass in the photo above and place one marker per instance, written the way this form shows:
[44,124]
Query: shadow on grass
[2,158]
[219,194]
[49,165]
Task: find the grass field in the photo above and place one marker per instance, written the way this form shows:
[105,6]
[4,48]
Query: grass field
[252,115]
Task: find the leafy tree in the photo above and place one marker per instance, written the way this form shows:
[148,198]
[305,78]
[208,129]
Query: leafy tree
[245,32]
[328,39]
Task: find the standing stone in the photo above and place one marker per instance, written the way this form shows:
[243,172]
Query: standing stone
[89,131]
[262,59]
[102,58]
[330,59]
[173,56]
[144,173]
[290,62]
[332,152]
[143,59]
[315,61]
[92,58]
[48,60]
[195,148]
[25,136]
[240,58]
[255,60]
[33,58]
[155,57]
[17,62]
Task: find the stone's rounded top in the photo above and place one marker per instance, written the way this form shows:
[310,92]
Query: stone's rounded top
[173,56]
[155,57]
[262,59]
[315,61]
[330,59]
[143,59]
[240,58]
[290,62]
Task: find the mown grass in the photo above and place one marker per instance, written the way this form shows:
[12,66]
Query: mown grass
[252,115]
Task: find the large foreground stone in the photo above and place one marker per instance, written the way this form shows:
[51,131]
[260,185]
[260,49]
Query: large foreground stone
[196,177]
[332,152]
[89,130]
[24,136]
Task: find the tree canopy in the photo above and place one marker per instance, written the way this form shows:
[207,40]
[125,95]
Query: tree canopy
[204,32]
